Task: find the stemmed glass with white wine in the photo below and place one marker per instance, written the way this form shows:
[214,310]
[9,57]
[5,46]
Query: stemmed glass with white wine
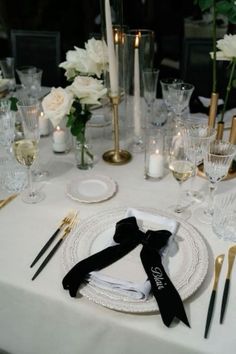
[217,161]
[26,150]
[182,169]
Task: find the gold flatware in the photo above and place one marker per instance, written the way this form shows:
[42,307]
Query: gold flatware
[65,221]
[67,230]
[231,257]
[7,200]
[218,265]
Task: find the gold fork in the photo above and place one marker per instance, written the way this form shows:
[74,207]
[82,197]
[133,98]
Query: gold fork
[5,201]
[65,221]
[67,230]
[231,257]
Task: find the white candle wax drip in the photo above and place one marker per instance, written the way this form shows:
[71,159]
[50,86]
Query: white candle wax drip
[111,50]
[137,107]
[59,140]
[156,165]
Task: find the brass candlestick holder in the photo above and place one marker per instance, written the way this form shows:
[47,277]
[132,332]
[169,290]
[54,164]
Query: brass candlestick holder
[116,156]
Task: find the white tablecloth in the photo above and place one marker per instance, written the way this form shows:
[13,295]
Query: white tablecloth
[39,317]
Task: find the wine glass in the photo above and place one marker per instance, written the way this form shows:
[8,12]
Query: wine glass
[26,150]
[150,79]
[182,169]
[217,161]
[197,136]
[165,84]
[179,98]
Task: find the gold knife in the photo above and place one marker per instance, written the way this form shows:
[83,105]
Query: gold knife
[7,200]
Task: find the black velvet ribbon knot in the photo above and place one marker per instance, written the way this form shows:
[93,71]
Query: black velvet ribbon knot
[128,236]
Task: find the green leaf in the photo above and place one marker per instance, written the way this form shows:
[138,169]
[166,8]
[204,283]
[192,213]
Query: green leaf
[205,4]
[234,83]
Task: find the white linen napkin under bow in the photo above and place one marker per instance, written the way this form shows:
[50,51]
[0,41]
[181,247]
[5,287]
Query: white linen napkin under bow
[127,277]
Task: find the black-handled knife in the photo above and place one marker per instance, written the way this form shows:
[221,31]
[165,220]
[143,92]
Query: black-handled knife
[218,265]
[210,311]
[231,257]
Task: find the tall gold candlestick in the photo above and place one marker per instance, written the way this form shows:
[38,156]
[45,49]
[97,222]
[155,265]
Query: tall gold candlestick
[213,109]
[232,137]
[116,156]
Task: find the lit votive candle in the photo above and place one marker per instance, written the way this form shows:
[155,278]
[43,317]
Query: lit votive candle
[43,125]
[156,165]
[59,140]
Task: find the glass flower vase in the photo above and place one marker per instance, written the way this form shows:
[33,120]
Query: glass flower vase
[84,155]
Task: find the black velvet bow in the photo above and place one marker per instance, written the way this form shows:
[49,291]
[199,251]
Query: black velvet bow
[128,236]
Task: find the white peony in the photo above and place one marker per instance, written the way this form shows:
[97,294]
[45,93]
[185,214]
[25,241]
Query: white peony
[57,104]
[98,52]
[227,47]
[88,89]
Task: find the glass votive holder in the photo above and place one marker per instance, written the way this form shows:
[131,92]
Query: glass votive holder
[224,217]
[61,139]
[154,158]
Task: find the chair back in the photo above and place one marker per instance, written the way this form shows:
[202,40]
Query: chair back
[38,48]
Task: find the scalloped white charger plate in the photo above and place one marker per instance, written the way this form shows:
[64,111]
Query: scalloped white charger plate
[186,263]
[91,189]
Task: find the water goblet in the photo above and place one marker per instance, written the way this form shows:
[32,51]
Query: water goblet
[197,136]
[7,125]
[179,98]
[150,79]
[7,66]
[182,169]
[217,161]
[30,78]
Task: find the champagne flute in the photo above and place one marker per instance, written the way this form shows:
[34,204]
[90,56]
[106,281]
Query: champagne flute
[150,79]
[26,150]
[197,137]
[182,169]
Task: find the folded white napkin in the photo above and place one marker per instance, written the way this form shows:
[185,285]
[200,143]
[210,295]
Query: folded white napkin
[127,277]
[206,101]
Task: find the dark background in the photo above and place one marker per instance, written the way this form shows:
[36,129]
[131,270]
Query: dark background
[75,19]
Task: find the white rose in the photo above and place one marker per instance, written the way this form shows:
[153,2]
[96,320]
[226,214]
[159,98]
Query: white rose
[98,52]
[78,61]
[227,47]
[87,89]
[57,104]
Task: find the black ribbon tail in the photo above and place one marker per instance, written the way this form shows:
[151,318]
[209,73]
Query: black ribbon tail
[166,295]
[97,261]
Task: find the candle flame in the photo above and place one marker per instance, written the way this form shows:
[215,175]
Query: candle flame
[41,114]
[157,151]
[136,43]
[58,128]
[116,37]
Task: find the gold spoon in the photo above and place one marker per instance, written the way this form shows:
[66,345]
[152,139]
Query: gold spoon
[218,265]
[231,257]
[3,202]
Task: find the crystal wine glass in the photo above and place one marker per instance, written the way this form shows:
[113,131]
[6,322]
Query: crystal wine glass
[26,150]
[179,98]
[150,79]
[217,161]
[165,84]
[197,137]
[182,169]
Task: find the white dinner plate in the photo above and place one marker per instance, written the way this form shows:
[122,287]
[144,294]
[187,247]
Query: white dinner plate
[186,265]
[91,189]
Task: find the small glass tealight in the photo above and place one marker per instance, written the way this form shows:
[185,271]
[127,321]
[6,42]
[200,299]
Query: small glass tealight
[44,125]
[154,158]
[61,139]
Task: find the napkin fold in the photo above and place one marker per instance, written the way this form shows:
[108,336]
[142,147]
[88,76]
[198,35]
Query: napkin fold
[131,279]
